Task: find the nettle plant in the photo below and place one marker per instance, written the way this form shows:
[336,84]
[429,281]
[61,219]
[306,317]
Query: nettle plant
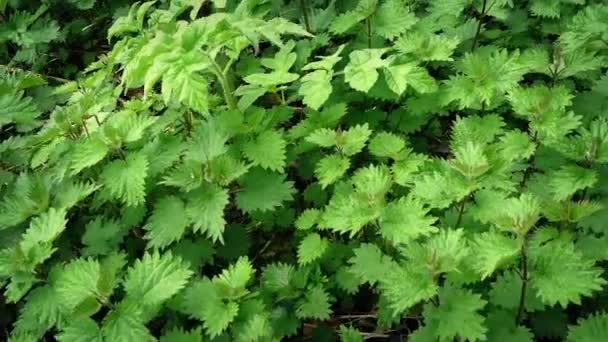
[271,170]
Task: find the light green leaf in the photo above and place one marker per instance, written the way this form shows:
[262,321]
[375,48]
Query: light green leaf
[167,223]
[427,46]
[43,230]
[589,329]
[370,265]
[492,250]
[560,274]
[77,281]
[353,140]
[392,18]
[311,248]
[156,278]
[361,71]
[457,316]
[405,220]
[398,77]
[569,179]
[323,137]
[205,209]
[178,335]
[315,304]
[208,142]
[125,179]
[81,330]
[232,282]
[263,190]
[386,144]
[308,219]
[267,150]
[125,324]
[350,334]
[331,168]
[316,88]
[87,153]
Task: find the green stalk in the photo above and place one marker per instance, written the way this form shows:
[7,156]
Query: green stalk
[478,31]
[461,211]
[225,83]
[524,283]
[305,15]
[368,22]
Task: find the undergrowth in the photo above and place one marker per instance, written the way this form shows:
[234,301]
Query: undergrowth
[269,170]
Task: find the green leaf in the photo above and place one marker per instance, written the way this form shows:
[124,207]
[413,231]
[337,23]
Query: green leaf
[347,20]
[492,250]
[205,209]
[323,137]
[167,223]
[427,46]
[126,179]
[102,236]
[315,304]
[311,248]
[457,315]
[569,179]
[232,282]
[369,264]
[392,19]
[125,324]
[263,190]
[516,145]
[41,311]
[470,160]
[81,330]
[88,153]
[72,193]
[267,150]
[398,77]
[350,334]
[502,327]
[386,144]
[592,328]
[331,168]
[506,291]
[405,286]
[361,71]
[353,140]
[77,281]
[208,142]
[43,229]
[183,84]
[202,301]
[405,220]
[316,88]
[178,335]
[156,278]
[308,219]
[561,275]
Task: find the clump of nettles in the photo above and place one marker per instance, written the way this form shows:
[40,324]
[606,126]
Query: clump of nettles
[266,170]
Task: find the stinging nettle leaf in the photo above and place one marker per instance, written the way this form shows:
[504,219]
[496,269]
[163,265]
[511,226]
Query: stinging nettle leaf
[361,71]
[167,223]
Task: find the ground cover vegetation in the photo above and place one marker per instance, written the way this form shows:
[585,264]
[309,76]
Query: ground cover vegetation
[330,170]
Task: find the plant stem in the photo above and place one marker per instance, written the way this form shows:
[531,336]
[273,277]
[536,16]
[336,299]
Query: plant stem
[305,14]
[224,83]
[530,168]
[368,21]
[478,31]
[524,282]
[461,211]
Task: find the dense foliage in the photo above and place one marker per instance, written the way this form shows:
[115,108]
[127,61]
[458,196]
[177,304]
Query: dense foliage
[266,170]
